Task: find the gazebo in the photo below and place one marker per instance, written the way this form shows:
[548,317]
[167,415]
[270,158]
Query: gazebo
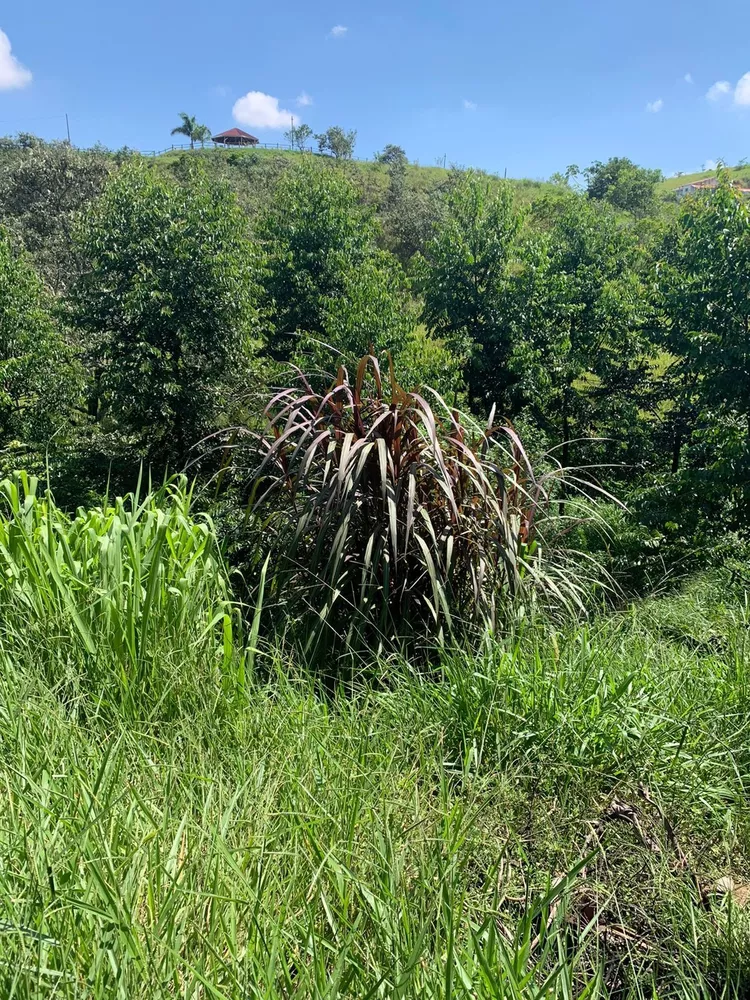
[234,137]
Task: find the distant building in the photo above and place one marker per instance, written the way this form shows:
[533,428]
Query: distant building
[708,184]
[234,137]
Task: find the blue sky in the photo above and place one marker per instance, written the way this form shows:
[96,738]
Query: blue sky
[528,87]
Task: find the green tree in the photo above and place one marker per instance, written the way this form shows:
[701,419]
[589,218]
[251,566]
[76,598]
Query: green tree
[191,127]
[298,135]
[337,142]
[39,378]
[591,317]
[407,214]
[43,186]
[323,273]
[392,156]
[705,288]
[623,184]
[167,306]
[465,278]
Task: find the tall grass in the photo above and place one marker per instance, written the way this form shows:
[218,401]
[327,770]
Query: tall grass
[116,598]
[550,816]
[431,840]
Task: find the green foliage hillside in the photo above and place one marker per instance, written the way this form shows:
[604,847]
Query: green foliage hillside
[371,175]
[374,547]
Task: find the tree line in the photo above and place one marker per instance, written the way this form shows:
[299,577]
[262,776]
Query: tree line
[145,308]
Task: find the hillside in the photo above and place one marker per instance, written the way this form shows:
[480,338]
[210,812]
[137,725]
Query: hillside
[372,176]
[739,173]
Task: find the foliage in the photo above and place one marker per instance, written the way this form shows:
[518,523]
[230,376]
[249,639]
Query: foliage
[43,186]
[324,275]
[39,379]
[466,280]
[191,127]
[408,215]
[425,362]
[705,282]
[394,524]
[592,316]
[336,141]
[168,309]
[261,797]
[119,587]
[392,156]
[623,184]
[298,135]
[424,837]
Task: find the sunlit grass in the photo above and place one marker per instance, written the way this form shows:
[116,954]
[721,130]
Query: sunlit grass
[465,835]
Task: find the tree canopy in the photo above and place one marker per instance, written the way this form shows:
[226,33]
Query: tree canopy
[39,377]
[623,184]
[323,273]
[167,305]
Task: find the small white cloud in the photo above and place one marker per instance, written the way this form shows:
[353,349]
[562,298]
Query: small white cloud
[718,90]
[654,107]
[688,78]
[220,91]
[261,111]
[469,105]
[710,165]
[304,100]
[12,74]
[742,91]
[338,30]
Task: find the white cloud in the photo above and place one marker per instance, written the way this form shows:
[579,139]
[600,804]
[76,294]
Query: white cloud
[338,30]
[688,78]
[654,107]
[304,100]
[742,91]
[740,94]
[710,165]
[12,74]
[261,111]
[718,90]
[220,91]
[469,105]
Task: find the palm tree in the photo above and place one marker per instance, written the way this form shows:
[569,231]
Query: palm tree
[202,134]
[192,129]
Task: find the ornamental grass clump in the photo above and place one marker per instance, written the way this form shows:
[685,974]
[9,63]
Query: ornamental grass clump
[397,521]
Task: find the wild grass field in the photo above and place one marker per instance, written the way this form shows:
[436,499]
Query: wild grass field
[186,813]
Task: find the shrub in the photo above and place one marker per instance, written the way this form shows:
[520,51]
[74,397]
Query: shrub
[390,521]
[40,381]
[166,310]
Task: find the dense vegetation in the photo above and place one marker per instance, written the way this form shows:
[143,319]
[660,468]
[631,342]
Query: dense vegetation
[381,627]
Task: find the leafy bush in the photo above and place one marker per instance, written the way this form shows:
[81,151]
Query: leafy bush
[324,274]
[39,379]
[390,522]
[166,309]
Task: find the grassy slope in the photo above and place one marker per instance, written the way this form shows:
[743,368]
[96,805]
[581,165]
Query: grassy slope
[178,837]
[736,173]
[372,176]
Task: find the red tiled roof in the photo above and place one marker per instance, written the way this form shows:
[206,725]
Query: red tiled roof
[234,133]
